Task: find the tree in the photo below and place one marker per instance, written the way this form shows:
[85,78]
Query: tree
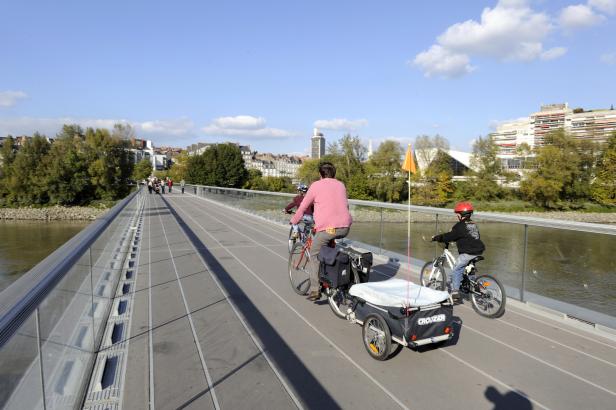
[427,148]
[68,181]
[27,182]
[486,169]
[179,168]
[142,170]
[385,172]
[347,156]
[7,156]
[123,131]
[557,167]
[254,180]
[603,188]
[220,165]
[308,172]
[109,164]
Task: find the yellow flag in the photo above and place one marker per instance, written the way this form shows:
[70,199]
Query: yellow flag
[409,163]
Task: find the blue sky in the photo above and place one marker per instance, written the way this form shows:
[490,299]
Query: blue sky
[264,73]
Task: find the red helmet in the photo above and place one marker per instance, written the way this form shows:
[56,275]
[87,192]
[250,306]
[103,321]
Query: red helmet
[464,208]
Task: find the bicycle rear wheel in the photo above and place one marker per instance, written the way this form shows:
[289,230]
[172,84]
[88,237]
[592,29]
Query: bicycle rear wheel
[299,265]
[488,297]
[338,298]
[433,276]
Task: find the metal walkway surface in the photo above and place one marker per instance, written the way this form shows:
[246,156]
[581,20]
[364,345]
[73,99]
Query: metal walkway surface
[215,324]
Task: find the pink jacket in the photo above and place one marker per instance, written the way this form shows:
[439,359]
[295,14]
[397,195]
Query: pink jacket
[331,207]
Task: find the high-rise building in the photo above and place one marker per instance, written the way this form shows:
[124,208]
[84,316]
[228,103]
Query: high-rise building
[589,125]
[318,144]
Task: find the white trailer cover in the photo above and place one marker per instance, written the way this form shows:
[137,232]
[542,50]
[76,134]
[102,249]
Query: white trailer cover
[397,293]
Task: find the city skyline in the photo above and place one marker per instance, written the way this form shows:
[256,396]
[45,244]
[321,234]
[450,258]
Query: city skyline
[266,74]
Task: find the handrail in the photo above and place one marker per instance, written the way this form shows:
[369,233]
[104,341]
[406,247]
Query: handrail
[489,216]
[22,297]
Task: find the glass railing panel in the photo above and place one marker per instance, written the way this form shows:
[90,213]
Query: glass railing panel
[572,267]
[66,330]
[108,253]
[20,371]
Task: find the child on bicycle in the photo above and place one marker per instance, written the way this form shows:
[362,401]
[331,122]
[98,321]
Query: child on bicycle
[307,217]
[465,234]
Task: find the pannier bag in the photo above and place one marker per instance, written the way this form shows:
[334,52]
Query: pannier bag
[361,263]
[334,267]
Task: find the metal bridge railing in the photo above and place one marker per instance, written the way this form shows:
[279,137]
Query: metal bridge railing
[563,265]
[52,318]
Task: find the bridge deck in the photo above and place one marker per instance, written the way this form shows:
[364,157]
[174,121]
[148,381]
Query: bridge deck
[215,324]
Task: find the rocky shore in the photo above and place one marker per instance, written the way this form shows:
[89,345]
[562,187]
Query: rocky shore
[52,213]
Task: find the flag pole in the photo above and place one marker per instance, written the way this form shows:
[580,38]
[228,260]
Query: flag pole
[408,240]
[409,166]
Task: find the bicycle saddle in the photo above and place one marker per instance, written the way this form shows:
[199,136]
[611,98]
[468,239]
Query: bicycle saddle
[476,259]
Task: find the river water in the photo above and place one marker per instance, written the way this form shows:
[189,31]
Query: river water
[24,244]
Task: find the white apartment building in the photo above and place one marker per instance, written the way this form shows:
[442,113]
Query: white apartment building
[591,125]
[272,165]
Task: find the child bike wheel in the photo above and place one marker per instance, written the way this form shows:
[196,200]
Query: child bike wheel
[299,263]
[433,277]
[488,297]
[376,337]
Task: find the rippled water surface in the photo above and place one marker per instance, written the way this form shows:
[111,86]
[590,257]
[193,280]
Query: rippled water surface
[24,244]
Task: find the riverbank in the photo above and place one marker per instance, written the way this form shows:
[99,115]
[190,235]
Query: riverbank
[52,213]
[590,217]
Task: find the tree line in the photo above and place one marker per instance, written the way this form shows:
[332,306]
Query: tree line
[78,168]
[565,173]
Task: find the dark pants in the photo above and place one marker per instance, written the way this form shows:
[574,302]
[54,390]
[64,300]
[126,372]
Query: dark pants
[182,189]
[321,238]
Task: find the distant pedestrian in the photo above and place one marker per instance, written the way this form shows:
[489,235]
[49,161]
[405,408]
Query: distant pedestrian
[149,186]
[170,184]
[182,185]
[162,186]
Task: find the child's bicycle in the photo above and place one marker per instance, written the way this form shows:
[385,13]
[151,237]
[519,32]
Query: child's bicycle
[487,294]
[305,227]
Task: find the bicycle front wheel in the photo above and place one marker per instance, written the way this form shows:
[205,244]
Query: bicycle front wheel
[292,240]
[488,297]
[299,265]
[433,276]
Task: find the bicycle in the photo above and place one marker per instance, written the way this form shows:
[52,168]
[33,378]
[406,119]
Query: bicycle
[299,275]
[486,292]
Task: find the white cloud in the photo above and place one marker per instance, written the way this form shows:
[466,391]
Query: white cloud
[439,61]
[244,126]
[605,6]
[240,122]
[338,124]
[553,53]
[579,16]
[511,31]
[51,126]
[10,98]
[608,58]
[176,127]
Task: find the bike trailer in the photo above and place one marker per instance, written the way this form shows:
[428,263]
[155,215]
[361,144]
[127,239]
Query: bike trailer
[415,315]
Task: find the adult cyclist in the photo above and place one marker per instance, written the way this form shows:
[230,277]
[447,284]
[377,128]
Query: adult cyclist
[307,217]
[331,217]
